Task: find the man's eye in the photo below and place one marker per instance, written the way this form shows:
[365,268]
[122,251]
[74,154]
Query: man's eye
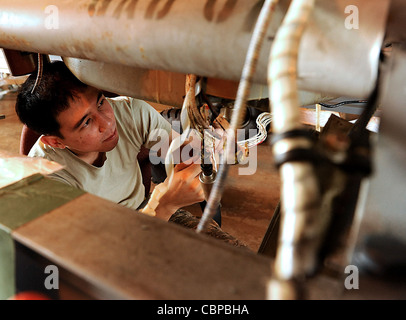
[87,122]
[100,103]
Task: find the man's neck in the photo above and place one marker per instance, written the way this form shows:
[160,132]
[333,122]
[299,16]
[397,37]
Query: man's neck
[94,158]
[99,160]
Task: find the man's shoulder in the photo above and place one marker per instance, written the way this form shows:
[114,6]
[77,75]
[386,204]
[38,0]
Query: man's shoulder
[39,149]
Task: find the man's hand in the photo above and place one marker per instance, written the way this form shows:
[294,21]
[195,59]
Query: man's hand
[184,189]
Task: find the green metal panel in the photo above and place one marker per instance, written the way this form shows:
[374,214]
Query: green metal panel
[7,279]
[20,203]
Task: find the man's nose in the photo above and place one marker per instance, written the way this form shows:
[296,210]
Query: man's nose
[104,123]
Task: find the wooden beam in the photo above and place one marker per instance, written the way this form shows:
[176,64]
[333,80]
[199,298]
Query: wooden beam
[122,254]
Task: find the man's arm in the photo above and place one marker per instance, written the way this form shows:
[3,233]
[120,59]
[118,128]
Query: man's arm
[183,188]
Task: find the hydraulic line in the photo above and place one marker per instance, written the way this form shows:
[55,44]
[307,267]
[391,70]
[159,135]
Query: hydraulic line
[238,114]
[301,221]
[188,105]
[208,175]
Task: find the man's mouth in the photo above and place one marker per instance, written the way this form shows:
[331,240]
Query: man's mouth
[112,136]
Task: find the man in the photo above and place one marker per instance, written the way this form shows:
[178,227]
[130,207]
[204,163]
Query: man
[97,140]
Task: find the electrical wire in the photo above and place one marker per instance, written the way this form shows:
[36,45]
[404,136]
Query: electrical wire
[248,71]
[39,72]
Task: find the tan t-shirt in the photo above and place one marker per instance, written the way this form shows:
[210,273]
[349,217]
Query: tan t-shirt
[119,179]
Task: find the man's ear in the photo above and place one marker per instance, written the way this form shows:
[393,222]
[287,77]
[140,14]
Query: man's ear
[53,141]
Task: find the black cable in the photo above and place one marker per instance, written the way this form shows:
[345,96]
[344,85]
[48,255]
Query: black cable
[210,105]
[339,104]
[372,105]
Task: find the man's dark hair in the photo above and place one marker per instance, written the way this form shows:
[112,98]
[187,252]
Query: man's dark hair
[56,89]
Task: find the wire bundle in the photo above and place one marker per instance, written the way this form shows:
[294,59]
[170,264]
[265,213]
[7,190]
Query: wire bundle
[263,120]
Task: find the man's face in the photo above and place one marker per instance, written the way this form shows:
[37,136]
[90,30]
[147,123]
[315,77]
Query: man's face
[88,125]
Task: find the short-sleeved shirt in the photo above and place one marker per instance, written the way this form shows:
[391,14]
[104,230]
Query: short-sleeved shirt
[119,179]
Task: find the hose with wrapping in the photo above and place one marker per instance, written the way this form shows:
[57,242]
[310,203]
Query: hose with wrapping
[301,221]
